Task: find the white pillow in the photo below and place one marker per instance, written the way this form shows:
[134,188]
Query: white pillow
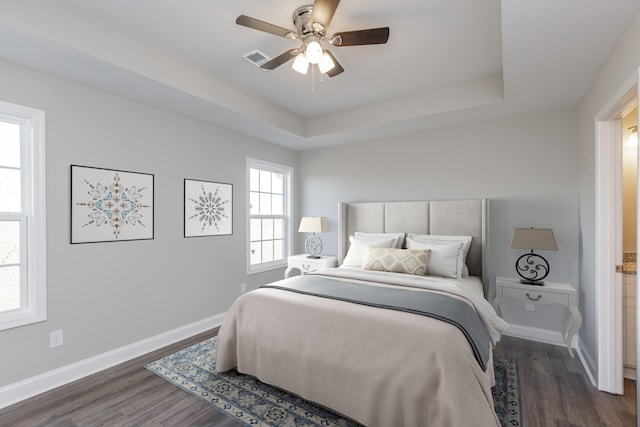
[358,250]
[398,237]
[435,238]
[446,258]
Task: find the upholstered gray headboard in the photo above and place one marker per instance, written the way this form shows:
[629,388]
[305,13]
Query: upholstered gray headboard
[447,217]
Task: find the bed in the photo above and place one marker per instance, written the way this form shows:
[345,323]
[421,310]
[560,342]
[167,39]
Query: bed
[357,355]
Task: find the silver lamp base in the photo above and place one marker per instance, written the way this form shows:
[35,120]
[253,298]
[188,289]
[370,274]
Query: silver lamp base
[313,246]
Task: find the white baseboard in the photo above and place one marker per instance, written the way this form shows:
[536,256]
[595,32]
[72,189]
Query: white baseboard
[589,365]
[629,373]
[552,337]
[14,393]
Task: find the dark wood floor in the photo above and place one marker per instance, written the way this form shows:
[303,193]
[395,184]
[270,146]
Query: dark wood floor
[555,392]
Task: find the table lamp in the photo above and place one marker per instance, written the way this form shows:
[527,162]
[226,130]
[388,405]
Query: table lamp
[313,224]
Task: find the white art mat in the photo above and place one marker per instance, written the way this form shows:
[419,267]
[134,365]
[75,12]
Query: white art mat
[208,208]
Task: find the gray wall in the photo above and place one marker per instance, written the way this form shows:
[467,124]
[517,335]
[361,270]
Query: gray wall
[526,166]
[623,64]
[108,295]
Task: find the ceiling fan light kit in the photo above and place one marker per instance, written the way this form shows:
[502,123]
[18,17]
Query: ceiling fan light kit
[311,22]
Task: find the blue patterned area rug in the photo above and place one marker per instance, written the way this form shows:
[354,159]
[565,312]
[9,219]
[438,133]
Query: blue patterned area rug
[253,403]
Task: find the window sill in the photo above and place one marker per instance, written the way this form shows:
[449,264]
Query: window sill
[15,319]
[267,267]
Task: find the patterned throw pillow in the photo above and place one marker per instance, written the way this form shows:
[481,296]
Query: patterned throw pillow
[397,260]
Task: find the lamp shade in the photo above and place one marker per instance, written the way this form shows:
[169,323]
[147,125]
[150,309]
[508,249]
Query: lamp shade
[534,239]
[313,224]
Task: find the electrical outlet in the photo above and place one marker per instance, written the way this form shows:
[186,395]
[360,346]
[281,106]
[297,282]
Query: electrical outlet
[243,288]
[530,307]
[55,338]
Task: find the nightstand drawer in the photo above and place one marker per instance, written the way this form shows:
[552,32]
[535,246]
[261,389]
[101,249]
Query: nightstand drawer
[536,296]
[308,266]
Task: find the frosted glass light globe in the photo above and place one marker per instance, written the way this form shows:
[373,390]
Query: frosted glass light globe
[326,64]
[300,64]
[314,52]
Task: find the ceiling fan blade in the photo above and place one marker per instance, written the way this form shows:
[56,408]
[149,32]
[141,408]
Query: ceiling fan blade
[361,37]
[280,59]
[322,13]
[259,25]
[337,69]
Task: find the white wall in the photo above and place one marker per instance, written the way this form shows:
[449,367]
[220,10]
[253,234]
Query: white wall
[526,166]
[108,295]
[623,64]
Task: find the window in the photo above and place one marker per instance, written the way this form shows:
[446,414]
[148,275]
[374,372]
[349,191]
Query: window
[269,215]
[22,216]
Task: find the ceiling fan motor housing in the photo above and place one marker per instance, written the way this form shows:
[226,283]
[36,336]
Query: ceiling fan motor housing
[302,20]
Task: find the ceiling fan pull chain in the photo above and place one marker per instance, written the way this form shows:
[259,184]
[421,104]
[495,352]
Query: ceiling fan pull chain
[313,78]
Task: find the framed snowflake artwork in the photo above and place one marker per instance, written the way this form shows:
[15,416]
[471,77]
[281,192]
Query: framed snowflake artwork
[109,205]
[208,208]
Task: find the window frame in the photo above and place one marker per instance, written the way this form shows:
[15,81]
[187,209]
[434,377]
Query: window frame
[32,217]
[287,171]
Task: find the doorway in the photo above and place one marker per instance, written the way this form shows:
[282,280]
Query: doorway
[629,239]
[609,237]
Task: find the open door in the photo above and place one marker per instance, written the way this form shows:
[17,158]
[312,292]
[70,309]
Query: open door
[609,290]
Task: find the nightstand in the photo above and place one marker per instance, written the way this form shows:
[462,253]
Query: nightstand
[307,265]
[551,293]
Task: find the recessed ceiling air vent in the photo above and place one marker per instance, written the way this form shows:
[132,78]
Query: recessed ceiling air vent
[256,57]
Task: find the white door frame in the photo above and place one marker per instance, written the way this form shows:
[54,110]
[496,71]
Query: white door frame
[608,237]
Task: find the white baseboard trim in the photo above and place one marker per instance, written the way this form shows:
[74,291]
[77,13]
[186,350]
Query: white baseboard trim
[16,392]
[555,338]
[629,373]
[588,364]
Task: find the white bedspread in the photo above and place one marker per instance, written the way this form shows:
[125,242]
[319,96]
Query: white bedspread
[379,367]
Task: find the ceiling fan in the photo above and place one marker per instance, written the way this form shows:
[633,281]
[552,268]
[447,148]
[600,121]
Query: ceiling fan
[311,23]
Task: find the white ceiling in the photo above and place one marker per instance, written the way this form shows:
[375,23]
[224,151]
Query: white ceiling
[447,62]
